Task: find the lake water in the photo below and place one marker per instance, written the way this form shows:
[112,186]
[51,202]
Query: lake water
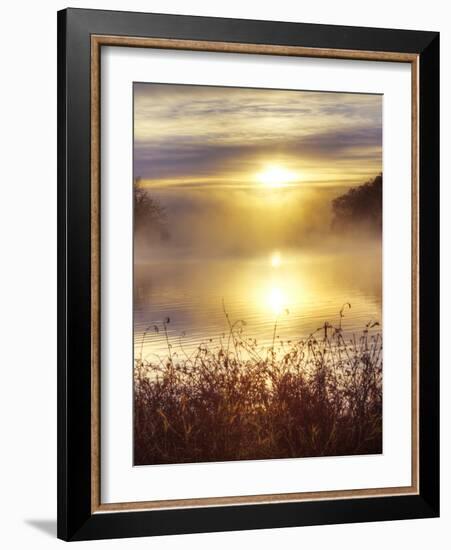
[299,291]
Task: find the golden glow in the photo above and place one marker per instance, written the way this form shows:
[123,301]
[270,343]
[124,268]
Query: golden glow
[282,287]
[276,176]
[276,259]
[276,300]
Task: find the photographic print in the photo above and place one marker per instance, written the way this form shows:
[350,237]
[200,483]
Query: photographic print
[228,232]
[257,273]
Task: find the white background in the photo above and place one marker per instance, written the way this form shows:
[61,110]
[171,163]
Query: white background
[28,275]
[120,482]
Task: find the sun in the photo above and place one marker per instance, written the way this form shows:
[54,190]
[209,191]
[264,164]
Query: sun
[275,176]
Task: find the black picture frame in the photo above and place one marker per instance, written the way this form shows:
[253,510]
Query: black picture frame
[76,521]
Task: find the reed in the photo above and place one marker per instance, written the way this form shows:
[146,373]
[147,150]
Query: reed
[237,400]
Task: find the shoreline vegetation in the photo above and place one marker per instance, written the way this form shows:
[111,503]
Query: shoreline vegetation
[236,400]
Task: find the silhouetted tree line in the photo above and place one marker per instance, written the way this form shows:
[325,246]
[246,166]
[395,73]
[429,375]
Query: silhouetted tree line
[359,208]
[149,216]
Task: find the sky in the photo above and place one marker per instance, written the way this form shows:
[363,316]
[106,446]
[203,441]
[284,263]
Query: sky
[239,171]
[219,136]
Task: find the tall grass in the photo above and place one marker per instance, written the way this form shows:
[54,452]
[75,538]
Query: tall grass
[236,400]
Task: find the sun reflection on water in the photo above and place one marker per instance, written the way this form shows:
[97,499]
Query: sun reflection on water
[298,291]
[276,300]
[276,259]
[278,288]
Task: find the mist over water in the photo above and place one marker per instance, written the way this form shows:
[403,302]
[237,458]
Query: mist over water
[263,257]
[241,222]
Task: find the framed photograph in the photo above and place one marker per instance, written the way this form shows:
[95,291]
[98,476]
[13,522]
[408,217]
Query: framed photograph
[248,274]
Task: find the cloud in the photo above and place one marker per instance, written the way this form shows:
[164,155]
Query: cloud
[199,132]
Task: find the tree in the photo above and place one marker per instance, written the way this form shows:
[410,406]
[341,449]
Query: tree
[359,208]
[149,216]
